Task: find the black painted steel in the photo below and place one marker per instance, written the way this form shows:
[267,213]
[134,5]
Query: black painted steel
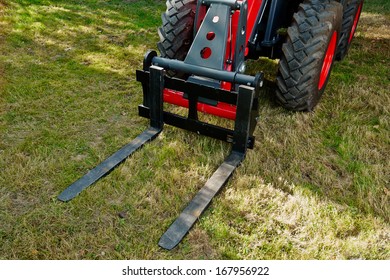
[202,90]
[259,19]
[156,83]
[201,201]
[156,87]
[239,53]
[243,118]
[210,51]
[108,165]
[234,4]
[180,66]
[276,15]
[198,91]
[198,127]
[146,65]
[212,36]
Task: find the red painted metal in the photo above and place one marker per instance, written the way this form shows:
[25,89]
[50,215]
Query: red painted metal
[253,11]
[328,60]
[253,8]
[222,110]
[355,22]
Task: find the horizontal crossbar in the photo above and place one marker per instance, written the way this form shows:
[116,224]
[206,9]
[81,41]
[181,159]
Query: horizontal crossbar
[196,126]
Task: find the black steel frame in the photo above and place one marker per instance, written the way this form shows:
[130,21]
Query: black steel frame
[154,81]
[246,100]
[273,16]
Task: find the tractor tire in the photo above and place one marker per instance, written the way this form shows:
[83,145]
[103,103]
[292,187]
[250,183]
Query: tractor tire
[308,54]
[176,32]
[351,16]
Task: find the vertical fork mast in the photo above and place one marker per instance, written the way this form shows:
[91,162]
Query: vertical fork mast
[227,26]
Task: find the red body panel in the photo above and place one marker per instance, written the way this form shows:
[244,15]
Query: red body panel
[222,109]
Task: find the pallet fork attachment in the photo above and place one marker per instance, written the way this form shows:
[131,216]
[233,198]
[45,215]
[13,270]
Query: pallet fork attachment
[108,165]
[203,83]
[241,139]
[199,203]
[156,126]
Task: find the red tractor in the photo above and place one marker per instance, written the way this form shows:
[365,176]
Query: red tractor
[306,37]
[204,47]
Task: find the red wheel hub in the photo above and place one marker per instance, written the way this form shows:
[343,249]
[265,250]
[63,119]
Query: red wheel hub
[355,22]
[328,60]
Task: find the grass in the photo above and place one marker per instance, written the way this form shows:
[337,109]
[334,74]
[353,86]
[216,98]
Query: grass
[316,185]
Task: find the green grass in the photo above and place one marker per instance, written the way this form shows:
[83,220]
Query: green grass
[316,185]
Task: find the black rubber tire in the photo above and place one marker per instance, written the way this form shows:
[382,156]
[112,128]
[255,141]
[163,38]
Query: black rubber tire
[176,33]
[304,51]
[352,9]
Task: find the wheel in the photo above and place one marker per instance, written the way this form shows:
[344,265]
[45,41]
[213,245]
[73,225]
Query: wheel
[176,33]
[308,54]
[351,16]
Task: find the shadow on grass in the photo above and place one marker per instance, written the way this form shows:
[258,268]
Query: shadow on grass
[66,61]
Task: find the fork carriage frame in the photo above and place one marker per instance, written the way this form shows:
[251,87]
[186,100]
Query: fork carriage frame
[214,87]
